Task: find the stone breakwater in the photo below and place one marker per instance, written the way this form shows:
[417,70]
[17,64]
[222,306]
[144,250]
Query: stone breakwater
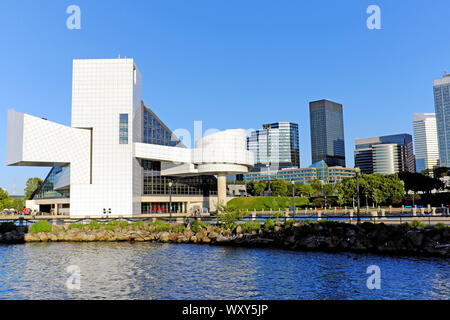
[329,237]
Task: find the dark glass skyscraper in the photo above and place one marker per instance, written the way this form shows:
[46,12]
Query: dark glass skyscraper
[327,132]
[277,141]
[442,105]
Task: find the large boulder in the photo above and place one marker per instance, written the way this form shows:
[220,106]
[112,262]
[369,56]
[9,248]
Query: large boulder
[415,237]
[164,236]
[32,237]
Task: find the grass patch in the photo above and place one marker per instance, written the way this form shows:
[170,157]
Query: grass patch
[76,226]
[41,226]
[196,226]
[250,226]
[265,203]
[416,224]
[179,228]
[161,225]
[269,224]
[94,225]
[440,226]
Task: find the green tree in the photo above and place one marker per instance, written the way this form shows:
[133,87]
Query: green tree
[260,187]
[279,188]
[328,189]
[302,189]
[31,186]
[3,194]
[317,186]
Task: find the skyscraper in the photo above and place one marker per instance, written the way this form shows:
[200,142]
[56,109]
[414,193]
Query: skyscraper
[442,105]
[279,141]
[385,155]
[425,141]
[327,132]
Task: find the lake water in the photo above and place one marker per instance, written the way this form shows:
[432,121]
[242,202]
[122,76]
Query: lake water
[186,271]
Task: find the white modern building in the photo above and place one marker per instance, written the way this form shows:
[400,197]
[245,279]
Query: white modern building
[118,157]
[425,141]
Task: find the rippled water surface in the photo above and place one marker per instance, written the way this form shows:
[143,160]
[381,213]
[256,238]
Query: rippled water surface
[184,271]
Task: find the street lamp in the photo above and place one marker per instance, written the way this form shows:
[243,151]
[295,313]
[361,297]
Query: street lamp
[357,171]
[267,127]
[170,199]
[293,197]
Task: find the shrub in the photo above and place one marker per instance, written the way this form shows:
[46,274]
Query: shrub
[307,222]
[268,224]
[250,226]
[76,226]
[161,225]
[289,224]
[124,224]
[138,224]
[94,225]
[440,226]
[178,228]
[41,226]
[416,224]
[7,227]
[277,216]
[196,226]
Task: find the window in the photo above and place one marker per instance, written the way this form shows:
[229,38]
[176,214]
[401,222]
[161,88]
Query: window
[123,129]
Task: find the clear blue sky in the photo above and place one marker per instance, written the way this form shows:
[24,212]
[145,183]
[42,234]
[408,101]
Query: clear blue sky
[231,63]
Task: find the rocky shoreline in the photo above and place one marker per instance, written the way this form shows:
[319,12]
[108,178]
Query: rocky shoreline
[322,236]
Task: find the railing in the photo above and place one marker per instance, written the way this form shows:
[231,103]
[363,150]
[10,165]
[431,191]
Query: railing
[433,216]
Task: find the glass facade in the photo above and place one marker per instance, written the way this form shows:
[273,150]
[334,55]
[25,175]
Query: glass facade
[156,132]
[47,188]
[276,144]
[319,171]
[161,207]
[327,132]
[123,129]
[442,106]
[385,155]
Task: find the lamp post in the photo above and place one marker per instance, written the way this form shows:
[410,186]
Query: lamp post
[293,197]
[170,199]
[357,171]
[267,127]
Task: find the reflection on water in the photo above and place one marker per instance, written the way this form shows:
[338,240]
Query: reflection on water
[185,271]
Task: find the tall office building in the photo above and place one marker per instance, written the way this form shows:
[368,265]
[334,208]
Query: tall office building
[276,144]
[442,105]
[385,155]
[425,141]
[327,132]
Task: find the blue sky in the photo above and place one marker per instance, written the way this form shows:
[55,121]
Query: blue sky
[230,63]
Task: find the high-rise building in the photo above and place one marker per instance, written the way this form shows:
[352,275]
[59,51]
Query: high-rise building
[385,155]
[442,105]
[277,140]
[327,132]
[118,157]
[425,141]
